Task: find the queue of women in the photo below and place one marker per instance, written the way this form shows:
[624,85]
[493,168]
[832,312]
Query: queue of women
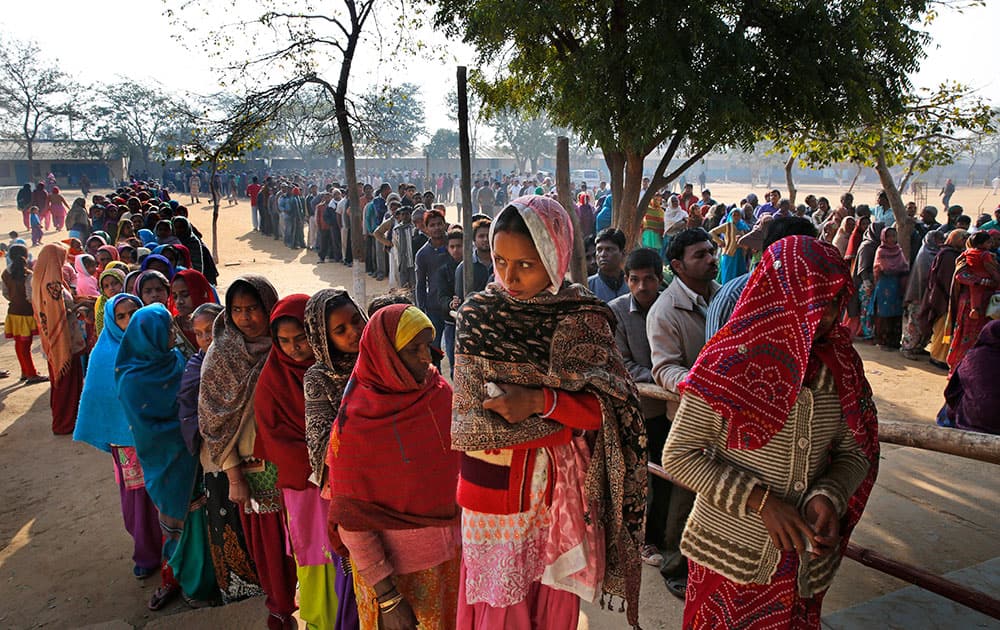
[308,449]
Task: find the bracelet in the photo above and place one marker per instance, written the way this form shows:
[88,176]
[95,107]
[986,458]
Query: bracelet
[555,402]
[390,605]
[386,596]
[763,501]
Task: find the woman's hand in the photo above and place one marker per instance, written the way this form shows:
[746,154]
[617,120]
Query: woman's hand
[822,516]
[787,528]
[239,489]
[401,618]
[517,403]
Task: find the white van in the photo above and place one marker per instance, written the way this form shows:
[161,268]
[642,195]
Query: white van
[591,177]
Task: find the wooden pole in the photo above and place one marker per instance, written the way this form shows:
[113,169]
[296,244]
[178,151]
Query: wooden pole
[578,265]
[984,447]
[466,155]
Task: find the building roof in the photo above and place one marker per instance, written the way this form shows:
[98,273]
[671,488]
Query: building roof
[48,150]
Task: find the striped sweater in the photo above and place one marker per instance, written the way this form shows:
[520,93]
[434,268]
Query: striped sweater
[813,454]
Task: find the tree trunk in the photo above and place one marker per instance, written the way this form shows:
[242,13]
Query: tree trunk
[904,224]
[465,150]
[792,191]
[616,169]
[855,180]
[215,208]
[578,265]
[628,215]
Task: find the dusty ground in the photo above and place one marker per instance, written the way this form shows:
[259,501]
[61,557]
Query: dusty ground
[65,557]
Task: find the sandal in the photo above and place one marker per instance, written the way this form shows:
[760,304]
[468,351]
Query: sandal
[677,586]
[38,378]
[4,373]
[162,596]
[141,573]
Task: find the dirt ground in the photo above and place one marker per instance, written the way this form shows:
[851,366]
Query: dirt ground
[65,558]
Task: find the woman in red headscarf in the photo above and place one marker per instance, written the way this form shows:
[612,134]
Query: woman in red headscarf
[778,436]
[189,289]
[393,475]
[279,404]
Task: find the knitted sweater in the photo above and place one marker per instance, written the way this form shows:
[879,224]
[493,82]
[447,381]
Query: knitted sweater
[813,454]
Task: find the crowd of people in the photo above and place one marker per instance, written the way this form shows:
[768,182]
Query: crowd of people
[316,451]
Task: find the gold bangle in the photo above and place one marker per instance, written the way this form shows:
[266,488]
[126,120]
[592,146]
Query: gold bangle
[390,605]
[395,605]
[386,596]
[763,501]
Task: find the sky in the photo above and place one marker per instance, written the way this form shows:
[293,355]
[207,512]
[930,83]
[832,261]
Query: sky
[962,49]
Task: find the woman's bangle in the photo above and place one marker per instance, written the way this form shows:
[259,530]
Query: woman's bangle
[763,500]
[386,596]
[555,402]
[390,604]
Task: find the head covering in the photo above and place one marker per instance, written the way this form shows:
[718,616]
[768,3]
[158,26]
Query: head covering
[865,260]
[111,250]
[199,288]
[150,275]
[856,237]
[916,284]
[148,259]
[230,371]
[890,258]
[752,370]
[844,232]
[279,405]
[956,239]
[411,323]
[147,236]
[86,284]
[325,381]
[49,297]
[972,395]
[390,458]
[148,375]
[95,237]
[101,419]
[551,232]
[100,305]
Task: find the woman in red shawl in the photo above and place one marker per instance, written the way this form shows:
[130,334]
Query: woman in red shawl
[778,436]
[975,280]
[890,271]
[393,477]
[189,289]
[279,404]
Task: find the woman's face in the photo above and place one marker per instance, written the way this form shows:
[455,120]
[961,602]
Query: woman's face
[416,355]
[136,221]
[203,331]
[249,316]
[182,297]
[517,264]
[344,327]
[890,237]
[110,286]
[126,231]
[90,265]
[103,258]
[153,291]
[92,246]
[292,340]
[163,230]
[123,312]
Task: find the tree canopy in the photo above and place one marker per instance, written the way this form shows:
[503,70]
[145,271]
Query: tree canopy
[391,119]
[629,76]
[443,144]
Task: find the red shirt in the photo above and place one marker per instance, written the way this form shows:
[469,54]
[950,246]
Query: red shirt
[252,191]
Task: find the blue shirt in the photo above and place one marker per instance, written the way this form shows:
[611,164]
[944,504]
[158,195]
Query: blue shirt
[720,309]
[883,216]
[427,261]
[605,293]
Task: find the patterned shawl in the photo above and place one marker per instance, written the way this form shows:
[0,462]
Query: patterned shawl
[325,381]
[49,298]
[279,405]
[563,341]
[229,374]
[753,369]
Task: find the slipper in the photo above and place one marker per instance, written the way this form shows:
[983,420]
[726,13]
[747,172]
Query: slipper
[142,573]
[36,379]
[4,373]
[197,603]
[676,586]
[162,596]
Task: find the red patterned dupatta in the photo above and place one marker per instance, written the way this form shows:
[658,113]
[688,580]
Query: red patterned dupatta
[751,371]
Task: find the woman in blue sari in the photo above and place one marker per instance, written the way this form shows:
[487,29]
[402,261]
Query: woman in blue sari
[148,372]
[102,423]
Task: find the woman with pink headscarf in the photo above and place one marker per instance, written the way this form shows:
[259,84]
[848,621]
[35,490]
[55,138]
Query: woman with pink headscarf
[57,207]
[553,483]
